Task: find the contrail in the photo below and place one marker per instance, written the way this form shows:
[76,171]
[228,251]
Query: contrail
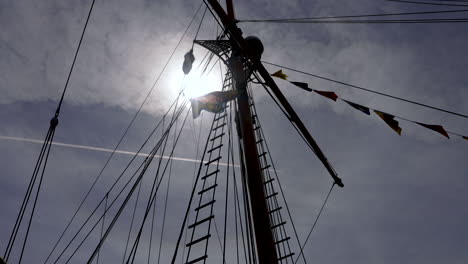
[30,140]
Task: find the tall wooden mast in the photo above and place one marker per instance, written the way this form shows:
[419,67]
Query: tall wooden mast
[264,242]
[263,236]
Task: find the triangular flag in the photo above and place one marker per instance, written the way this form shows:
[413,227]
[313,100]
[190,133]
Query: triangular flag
[329,95]
[389,119]
[302,85]
[359,107]
[436,128]
[465,138]
[280,75]
[213,102]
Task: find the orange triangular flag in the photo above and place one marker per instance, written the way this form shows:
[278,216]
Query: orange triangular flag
[389,119]
[436,128]
[329,95]
[280,75]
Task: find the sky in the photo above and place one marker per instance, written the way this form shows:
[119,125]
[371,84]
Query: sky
[404,199]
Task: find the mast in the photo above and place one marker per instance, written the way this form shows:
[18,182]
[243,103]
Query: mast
[262,229]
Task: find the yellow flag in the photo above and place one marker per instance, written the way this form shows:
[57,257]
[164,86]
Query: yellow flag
[389,119]
[280,75]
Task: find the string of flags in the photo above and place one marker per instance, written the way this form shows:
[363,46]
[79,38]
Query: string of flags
[389,119]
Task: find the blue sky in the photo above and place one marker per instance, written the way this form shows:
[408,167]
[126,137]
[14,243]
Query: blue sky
[404,198]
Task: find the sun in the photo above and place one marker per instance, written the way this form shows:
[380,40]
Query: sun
[196,85]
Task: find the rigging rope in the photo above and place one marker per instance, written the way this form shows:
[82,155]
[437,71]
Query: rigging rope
[368,90]
[316,220]
[46,147]
[118,195]
[281,190]
[369,21]
[424,3]
[352,16]
[125,133]
[137,240]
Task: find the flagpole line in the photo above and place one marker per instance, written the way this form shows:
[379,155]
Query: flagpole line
[30,140]
[333,96]
[405,119]
[364,89]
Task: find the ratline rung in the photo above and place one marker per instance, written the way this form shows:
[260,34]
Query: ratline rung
[218,118]
[271,195]
[266,167]
[198,240]
[211,174]
[218,136]
[209,188]
[256,128]
[215,148]
[270,180]
[278,225]
[220,126]
[286,256]
[197,259]
[205,205]
[261,155]
[260,141]
[282,240]
[201,221]
[276,209]
[213,160]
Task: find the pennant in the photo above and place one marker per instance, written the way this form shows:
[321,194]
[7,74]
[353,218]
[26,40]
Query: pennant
[302,85]
[213,102]
[280,75]
[389,119]
[465,138]
[436,128]
[359,107]
[329,95]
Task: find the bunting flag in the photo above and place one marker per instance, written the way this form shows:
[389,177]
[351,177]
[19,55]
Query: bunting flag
[280,75]
[436,128]
[359,107]
[302,85]
[389,119]
[213,102]
[329,95]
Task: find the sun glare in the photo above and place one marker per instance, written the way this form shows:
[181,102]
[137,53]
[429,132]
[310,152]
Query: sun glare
[197,86]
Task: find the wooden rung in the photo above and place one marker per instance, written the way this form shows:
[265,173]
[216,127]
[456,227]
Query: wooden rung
[197,259]
[198,240]
[278,225]
[220,126]
[209,188]
[205,205]
[201,221]
[266,167]
[270,180]
[208,175]
[287,256]
[214,160]
[218,136]
[218,118]
[263,154]
[282,240]
[260,141]
[271,195]
[276,209]
[215,148]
